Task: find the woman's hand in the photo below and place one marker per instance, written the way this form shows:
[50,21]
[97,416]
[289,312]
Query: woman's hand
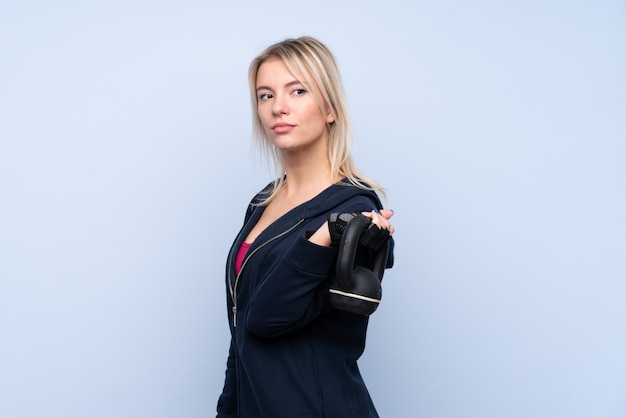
[380,219]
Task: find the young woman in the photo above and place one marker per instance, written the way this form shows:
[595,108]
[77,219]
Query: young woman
[292,354]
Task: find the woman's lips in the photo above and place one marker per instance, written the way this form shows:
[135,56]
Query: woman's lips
[281,128]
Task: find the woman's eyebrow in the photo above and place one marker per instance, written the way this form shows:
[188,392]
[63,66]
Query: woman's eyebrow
[293,83]
[290,84]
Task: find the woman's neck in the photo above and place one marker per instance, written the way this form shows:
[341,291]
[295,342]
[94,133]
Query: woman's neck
[307,177]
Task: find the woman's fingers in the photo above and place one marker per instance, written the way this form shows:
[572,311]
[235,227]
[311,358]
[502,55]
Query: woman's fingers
[387,213]
[381,219]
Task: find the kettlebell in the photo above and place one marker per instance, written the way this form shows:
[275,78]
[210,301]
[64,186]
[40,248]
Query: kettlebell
[357,289]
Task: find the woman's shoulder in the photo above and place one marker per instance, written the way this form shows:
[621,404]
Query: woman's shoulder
[260,198]
[264,193]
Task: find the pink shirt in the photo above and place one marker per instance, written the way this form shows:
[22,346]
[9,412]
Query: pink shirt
[240,256]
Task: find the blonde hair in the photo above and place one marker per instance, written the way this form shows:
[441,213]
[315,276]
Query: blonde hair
[311,60]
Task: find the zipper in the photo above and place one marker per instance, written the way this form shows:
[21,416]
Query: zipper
[233,287]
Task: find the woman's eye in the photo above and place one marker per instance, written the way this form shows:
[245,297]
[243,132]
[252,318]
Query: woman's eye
[265,96]
[299,92]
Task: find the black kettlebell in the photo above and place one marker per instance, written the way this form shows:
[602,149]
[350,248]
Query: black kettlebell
[357,289]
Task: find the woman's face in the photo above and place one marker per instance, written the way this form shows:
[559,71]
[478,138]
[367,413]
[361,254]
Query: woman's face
[288,111]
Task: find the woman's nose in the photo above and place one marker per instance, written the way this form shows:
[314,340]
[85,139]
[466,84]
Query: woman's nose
[280,106]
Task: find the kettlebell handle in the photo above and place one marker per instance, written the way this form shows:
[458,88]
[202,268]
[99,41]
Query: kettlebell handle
[348,248]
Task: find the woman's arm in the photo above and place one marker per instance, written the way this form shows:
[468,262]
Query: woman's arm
[293,294]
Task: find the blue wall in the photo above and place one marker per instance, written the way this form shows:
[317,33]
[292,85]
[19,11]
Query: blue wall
[125,167]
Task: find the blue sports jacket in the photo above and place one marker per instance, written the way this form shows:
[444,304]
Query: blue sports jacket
[292,354]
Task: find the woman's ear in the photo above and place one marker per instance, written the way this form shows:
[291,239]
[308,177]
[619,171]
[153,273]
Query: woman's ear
[330,118]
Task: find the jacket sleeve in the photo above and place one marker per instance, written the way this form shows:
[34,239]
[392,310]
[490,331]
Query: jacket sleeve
[295,292]
[227,402]
[291,295]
